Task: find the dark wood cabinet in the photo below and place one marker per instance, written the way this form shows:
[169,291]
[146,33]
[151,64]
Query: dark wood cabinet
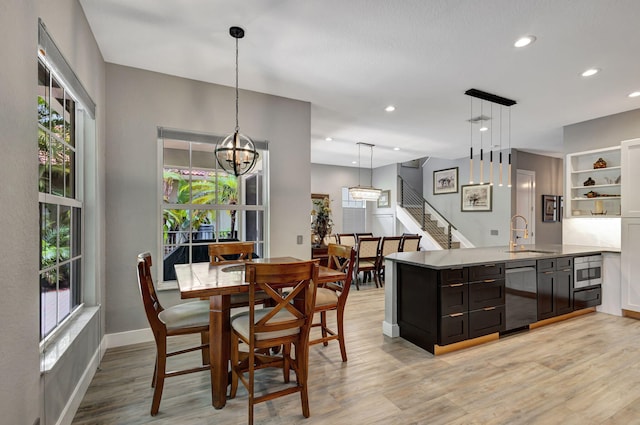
[486,321]
[555,287]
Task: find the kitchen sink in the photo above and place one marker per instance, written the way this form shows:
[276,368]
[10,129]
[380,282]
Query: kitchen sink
[539,251]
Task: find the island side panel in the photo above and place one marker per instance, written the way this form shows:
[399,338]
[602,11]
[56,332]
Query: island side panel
[417,292]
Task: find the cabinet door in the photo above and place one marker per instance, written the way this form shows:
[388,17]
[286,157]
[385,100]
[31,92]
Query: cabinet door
[486,294]
[546,298]
[629,264]
[486,321]
[630,176]
[563,291]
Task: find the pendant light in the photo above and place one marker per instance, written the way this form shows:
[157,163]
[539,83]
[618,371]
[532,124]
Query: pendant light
[471,143]
[365,193]
[482,130]
[491,98]
[237,153]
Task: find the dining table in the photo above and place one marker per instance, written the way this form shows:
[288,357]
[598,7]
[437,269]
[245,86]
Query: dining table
[218,283]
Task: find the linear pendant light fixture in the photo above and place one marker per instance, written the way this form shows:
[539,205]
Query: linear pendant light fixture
[491,98]
[365,193]
[237,153]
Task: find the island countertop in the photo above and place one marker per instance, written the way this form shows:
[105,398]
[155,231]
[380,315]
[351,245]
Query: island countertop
[452,258]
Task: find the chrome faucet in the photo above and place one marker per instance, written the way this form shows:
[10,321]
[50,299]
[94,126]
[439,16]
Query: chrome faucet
[513,237]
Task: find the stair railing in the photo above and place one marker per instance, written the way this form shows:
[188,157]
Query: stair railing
[411,199]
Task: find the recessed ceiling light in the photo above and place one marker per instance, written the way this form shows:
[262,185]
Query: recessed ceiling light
[328,139]
[354,162]
[396,149]
[524,41]
[634,94]
[590,72]
[484,128]
[390,108]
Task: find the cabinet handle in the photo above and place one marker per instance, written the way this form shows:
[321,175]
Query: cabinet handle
[489,308]
[489,280]
[548,272]
[454,285]
[456,314]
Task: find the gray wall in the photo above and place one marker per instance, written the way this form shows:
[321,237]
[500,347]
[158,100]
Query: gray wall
[602,132]
[549,181]
[138,102]
[21,399]
[330,179]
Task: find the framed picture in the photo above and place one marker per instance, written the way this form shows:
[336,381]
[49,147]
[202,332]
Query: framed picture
[476,197]
[445,181]
[549,208]
[383,200]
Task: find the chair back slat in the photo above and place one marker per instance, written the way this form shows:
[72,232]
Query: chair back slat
[390,245]
[152,306]
[410,243]
[368,247]
[227,252]
[348,239]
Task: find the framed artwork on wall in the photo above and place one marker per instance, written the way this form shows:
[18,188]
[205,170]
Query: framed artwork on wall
[549,208]
[445,181]
[383,200]
[476,197]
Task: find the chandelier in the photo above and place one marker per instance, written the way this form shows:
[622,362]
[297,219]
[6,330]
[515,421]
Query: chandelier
[237,153]
[365,193]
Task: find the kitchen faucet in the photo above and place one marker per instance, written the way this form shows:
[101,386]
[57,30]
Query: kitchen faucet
[513,237]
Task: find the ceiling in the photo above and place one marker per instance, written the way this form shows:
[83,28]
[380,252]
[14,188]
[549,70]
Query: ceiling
[350,59]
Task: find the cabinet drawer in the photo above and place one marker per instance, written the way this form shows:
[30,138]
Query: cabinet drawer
[486,294]
[487,271]
[454,276]
[454,328]
[486,321]
[589,297]
[564,263]
[454,298]
[548,264]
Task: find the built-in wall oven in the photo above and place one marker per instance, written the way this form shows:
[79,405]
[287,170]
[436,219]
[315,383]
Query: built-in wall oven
[587,271]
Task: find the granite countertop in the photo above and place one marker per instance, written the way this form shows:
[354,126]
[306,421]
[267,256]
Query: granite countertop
[448,258]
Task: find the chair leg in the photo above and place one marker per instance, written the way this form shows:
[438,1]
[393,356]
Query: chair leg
[204,340]
[252,362]
[155,372]
[340,319]
[323,327]
[355,279]
[286,362]
[235,359]
[375,279]
[161,366]
[301,374]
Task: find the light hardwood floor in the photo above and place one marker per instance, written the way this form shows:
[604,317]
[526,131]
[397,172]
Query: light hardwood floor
[582,371]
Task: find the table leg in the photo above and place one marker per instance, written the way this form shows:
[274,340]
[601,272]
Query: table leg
[220,344]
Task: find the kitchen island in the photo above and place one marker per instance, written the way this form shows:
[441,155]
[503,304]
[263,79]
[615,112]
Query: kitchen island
[454,298]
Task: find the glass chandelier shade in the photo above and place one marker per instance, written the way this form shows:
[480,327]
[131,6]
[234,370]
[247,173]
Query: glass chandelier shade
[237,153]
[365,193]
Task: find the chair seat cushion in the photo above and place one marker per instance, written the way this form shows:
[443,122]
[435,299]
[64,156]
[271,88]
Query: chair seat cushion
[186,315]
[240,323]
[366,263]
[326,297]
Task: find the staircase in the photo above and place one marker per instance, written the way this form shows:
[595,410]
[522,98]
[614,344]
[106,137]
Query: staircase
[426,216]
[429,225]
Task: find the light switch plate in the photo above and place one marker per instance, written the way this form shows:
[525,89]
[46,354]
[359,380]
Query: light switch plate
[494,232]
[299,239]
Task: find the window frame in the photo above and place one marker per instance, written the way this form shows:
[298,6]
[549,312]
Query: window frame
[209,139]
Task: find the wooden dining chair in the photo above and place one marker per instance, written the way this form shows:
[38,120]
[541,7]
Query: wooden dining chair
[286,324]
[234,252]
[388,245]
[182,319]
[348,239]
[333,297]
[367,258]
[410,243]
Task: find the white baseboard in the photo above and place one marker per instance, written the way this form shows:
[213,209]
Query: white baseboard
[390,329]
[121,339]
[69,411]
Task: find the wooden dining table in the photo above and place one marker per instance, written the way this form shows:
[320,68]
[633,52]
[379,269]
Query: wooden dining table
[218,283]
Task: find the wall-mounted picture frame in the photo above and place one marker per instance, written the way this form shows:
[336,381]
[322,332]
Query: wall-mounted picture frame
[549,208]
[559,207]
[445,181]
[476,197]
[384,200]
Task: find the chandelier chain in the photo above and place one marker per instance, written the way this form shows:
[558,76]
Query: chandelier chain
[237,125]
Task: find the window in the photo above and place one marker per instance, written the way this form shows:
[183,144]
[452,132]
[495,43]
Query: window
[59,203]
[201,203]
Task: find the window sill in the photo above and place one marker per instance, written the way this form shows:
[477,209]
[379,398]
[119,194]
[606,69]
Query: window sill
[169,285]
[55,348]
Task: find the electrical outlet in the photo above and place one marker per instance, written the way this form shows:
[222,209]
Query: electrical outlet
[494,232]
[299,239]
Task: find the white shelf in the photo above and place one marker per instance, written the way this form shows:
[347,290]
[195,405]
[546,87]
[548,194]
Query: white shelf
[597,170]
[596,186]
[596,198]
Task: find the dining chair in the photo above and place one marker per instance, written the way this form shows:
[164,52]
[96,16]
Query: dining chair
[367,258]
[333,297]
[348,239]
[410,243]
[182,319]
[388,245]
[330,239]
[284,324]
[230,253]
[364,235]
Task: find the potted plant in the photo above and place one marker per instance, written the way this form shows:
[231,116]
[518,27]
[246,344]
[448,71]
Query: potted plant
[322,223]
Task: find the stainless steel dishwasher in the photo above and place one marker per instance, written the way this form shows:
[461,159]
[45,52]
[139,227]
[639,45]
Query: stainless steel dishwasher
[521,303]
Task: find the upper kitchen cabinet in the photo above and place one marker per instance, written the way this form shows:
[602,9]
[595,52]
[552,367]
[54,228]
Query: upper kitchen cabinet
[630,161]
[593,183]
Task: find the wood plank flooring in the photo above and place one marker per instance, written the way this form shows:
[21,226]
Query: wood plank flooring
[582,371]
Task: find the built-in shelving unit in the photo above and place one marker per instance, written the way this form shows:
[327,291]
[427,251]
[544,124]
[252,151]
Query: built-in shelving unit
[602,197]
